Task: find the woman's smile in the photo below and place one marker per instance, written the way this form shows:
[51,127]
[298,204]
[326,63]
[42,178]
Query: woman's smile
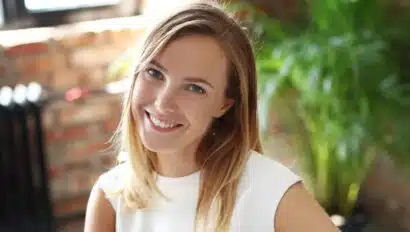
[160,123]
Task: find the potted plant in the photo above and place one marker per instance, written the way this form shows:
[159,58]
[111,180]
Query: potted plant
[336,87]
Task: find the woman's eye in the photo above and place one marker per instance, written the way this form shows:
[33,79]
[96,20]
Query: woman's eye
[196,89]
[155,73]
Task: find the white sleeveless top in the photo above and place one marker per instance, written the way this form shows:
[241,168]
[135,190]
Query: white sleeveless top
[262,186]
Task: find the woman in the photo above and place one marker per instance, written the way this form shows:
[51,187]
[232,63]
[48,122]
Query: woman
[190,131]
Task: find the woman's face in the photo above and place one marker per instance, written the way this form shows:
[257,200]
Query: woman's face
[177,96]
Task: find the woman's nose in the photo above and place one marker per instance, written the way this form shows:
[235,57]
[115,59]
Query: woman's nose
[165,100]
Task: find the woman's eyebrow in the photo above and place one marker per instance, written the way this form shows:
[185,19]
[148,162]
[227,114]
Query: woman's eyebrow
[156,63]
[190,79]
[199,80]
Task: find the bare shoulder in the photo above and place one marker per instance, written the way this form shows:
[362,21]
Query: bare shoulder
[100,215]
[102,202]
[298,211]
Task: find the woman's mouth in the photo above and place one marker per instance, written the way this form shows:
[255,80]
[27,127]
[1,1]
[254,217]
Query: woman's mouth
[161,124]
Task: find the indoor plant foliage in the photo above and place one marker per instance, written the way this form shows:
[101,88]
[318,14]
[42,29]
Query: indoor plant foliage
[339,93]
[340,86]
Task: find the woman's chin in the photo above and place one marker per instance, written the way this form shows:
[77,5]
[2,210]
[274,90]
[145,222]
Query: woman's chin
[158,146]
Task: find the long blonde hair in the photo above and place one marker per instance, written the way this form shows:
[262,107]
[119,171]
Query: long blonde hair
[224,150]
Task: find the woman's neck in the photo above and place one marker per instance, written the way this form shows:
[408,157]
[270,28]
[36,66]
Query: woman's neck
[176,163]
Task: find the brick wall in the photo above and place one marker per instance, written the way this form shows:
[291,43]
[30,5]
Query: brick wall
[385,195]
[77,133]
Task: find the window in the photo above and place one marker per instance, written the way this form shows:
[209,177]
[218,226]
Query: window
[17,14]
[1,14]
[54,5]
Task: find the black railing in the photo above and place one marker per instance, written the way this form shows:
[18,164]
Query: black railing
[25,204]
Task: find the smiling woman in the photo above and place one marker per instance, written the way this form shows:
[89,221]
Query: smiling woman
[190,131]
[184,95]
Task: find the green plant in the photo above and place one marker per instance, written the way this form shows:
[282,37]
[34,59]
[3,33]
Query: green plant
[120,67]
[344,98]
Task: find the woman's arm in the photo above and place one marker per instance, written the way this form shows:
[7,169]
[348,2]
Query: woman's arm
[298,211]
[100,216]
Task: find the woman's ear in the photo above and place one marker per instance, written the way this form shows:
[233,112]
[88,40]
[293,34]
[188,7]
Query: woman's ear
[227,104]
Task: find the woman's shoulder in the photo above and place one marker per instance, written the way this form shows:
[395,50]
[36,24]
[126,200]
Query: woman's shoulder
[275,195]
[111,182]
[265,176]
[263,168]
[113,178]
[263,185]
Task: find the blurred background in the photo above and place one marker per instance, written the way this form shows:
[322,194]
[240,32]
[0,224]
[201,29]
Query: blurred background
[334,100]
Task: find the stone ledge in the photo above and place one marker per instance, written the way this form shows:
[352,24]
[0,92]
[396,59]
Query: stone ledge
[9,38]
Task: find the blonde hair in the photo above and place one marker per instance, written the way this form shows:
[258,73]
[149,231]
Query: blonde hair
[224,150]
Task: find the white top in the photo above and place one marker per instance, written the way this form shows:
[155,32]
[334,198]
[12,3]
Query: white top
[262,186]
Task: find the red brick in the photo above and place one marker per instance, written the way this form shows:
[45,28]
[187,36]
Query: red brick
[77,165]
[75,153]
[108,161]
[65,79]
[60,61]
[74,146]
[110,125]
[48,119]
[93,79]
[93,56]
[54,151]
[43,79]
[124,38]
[135,34]
[68,133]
[34,65]
[85,113]
[81,40]
[59,187]
[54,171]
[95,148]
[116,36]
[26,49]
[81,182]
[73,204]
[3,71]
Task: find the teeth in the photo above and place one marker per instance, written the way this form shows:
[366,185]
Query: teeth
[162,124]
